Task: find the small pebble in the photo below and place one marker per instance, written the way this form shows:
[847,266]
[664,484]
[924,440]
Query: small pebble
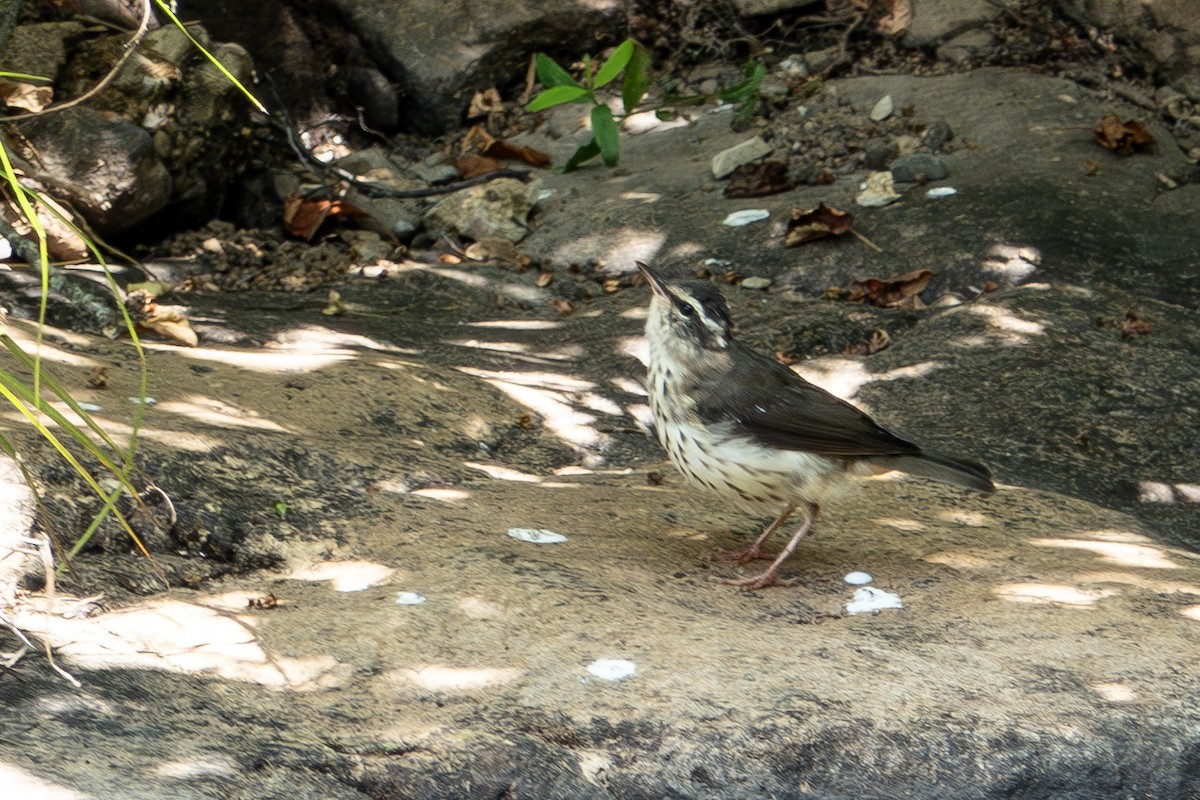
[89,407]
[149,401]
[858,578]
[756,283]
[941,191]
[746,216]
[868,599]
[536,536]
[612,669]
[409,599]
[883,109]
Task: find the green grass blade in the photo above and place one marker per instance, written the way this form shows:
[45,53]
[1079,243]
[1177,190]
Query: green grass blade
[165,8]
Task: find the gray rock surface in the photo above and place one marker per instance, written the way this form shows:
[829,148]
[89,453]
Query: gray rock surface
[104,165]
[440,54]
[934,21]
[1167,31]
[1045,643]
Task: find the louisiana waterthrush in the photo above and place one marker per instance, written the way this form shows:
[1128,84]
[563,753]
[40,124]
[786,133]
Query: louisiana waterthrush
[741,424]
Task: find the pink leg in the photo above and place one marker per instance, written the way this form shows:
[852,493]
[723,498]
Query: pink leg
[754,551]
[770,577]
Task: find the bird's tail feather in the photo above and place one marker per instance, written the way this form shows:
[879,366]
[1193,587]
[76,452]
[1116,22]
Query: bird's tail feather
[947,469]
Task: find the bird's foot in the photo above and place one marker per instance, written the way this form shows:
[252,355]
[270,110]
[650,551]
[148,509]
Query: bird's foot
[752,553]
[760,581]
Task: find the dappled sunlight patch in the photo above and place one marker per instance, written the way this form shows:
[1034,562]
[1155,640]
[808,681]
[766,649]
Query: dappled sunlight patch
[956,559]
[552,396]
[478,608]
[194,768]
[22,332]
[645,198]
[844,377]
[1191,612]
[442,495]
[1166,493]
[344,576]
[1155,585]
[218,413]
[1115,692]
[616,250]
[1012,262]
[1116,547]
[444,678]
[971,519]
[20,785]
[263,359]
[1005,326]
[901,524]
[1050,594]
[174,636]
[630,386]
[503,473]
[598,402]
[517,324]
[635,347]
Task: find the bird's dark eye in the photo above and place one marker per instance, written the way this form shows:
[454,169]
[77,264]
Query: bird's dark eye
[687,310]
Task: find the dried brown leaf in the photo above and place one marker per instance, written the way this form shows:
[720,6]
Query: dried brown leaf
[485,103]
[172,325]
[474,166]
[500,148]
[1132,325]
[816,223]
[1123,138]
[898,291]
[897,19]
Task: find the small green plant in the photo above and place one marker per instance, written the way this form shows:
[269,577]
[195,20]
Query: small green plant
[560,89]
[281,508]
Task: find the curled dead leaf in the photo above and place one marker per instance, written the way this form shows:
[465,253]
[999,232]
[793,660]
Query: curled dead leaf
[98,379]
[172,325]
[894,292]
[879,340]
[564,307]
[1132,325]
[816,223]
[303,217]
[474,166]
[485,103]
[545,279]
[897,18]
[501,148]
[1123,138]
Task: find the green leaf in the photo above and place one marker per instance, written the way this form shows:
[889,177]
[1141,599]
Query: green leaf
[557,96]
[550,73]
[755,72]
[665,114]
[615,63]
[606,134]
[585,153]
[637,79]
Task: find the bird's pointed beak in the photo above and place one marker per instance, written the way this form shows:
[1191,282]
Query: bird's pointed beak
[656,283]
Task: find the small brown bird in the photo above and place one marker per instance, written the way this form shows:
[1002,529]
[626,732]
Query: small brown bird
[741,424]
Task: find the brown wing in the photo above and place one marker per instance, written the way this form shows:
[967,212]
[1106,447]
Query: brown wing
[777,407]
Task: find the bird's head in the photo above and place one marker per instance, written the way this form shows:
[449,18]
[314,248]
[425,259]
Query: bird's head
[686,317]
